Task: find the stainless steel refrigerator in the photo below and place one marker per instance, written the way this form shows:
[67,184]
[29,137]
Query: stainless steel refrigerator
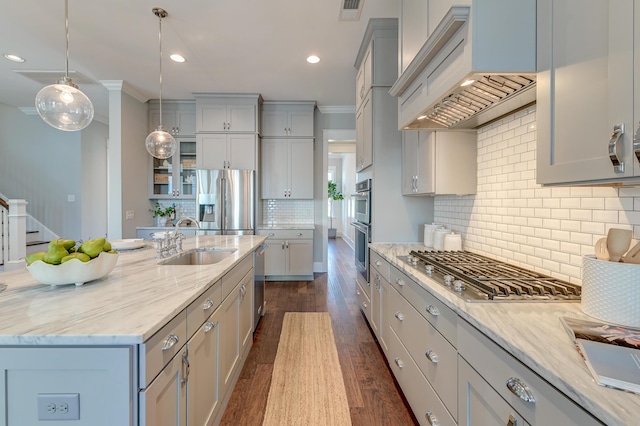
[225,201]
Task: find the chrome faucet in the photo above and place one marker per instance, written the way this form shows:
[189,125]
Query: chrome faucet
[181,221]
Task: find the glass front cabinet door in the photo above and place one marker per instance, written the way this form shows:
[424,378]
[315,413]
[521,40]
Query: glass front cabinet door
[175,177]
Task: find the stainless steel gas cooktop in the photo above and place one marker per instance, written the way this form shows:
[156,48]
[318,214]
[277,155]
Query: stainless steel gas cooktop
[477,278]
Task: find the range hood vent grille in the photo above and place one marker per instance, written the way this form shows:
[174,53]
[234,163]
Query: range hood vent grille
[468,101]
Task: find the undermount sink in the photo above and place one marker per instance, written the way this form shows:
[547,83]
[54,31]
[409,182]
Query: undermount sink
[200,256]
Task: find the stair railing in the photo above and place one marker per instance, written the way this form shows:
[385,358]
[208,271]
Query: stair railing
[15,234]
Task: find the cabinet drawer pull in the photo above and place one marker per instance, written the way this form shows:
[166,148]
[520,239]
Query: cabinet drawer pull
[208,304]
[271,234]
[512,421]
[399,316]
[170,342]
[618,131]
[185,368]
[400,282]
[378,263]
[433,357]
[433,310]
[432,419]
[358,292]
[636,143]
[208,326]
[520,389]
[399,362]
[364,305]
[299,234]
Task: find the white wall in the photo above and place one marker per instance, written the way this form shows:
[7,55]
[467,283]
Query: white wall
[44,166]
[513,219]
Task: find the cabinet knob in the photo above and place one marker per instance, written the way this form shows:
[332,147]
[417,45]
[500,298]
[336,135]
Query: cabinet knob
[399,316]
[208,326]
[170,342]
[433,310]
[512,421]
[399,362]
[400,282]
[208,304]
[299,234]
[433,357]
[432,419]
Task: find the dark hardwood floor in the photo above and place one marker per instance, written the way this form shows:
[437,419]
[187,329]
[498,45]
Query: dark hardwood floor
[374,398]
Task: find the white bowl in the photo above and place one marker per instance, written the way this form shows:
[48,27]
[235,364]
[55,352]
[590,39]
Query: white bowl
[130,244]
[74,271]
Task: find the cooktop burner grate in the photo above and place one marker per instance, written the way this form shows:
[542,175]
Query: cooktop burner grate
[478,278]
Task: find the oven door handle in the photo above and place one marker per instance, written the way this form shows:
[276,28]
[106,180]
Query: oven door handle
[360,227]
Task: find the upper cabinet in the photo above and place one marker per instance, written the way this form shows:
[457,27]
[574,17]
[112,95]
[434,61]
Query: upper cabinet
[283,119]
[587,60]
[287,168]
[438,163]
[174,177]
[227,113]
[377,70]
[178,117]
[218,151]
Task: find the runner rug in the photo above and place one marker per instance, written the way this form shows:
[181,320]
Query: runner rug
[307,387]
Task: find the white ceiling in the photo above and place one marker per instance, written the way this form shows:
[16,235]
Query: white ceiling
[231,46]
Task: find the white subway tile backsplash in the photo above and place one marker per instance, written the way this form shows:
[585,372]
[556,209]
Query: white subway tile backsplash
[514,219]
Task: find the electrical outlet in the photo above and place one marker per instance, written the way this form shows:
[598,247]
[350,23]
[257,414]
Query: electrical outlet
[130,214]
[58,406]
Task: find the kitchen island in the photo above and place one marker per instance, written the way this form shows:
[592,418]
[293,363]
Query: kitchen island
[528,335]
[125,344]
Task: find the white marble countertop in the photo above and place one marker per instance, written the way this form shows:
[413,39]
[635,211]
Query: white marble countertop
[532,332]
[288,226]
[127,307]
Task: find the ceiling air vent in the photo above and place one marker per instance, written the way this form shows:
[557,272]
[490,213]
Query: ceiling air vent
[350,10]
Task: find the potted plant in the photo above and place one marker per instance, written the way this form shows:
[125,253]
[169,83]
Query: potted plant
[334,195]
[163,215]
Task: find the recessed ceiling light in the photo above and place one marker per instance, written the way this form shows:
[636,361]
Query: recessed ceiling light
[14,58]
[313,59]
[467,82]
[177,58]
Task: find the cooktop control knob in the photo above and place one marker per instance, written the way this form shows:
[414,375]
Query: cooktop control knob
[458,285]
[428,269]
[448,279]
[414,261]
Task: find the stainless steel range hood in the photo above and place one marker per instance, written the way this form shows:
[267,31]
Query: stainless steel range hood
[476,66]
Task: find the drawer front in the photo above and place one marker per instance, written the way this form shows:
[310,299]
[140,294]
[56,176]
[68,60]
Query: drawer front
[437,313]
[162,347]
[203,307]
[287,234]
[364,302]
[497,367]
[421,397]
[380,264]
[234,276]
[432,353]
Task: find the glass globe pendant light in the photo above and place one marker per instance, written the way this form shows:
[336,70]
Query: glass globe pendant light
[160,144]
[63,105]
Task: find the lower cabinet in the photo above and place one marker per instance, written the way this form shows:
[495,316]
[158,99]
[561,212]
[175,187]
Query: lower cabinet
[164,401]
[289,255]
[494,385]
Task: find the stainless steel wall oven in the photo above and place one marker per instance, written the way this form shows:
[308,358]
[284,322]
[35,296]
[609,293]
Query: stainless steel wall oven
[362,198]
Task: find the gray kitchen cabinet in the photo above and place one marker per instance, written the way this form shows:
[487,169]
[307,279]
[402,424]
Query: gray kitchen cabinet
[226,151]
[174,177]
[364,134]
[586,93]
[164,401]
[287,168]
[438,163]
[227,112]
[287,119]
[178,117]
[483,406]
[379,276]
[363,297]
[507,379]
[418,20]
[376,63]
[289,256]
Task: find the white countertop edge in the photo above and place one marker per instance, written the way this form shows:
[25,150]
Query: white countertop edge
[287,226]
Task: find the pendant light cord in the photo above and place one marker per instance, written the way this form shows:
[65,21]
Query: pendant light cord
[66,27]
[160,43]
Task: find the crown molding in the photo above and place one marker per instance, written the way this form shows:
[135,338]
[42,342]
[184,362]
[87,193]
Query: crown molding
[344,109]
